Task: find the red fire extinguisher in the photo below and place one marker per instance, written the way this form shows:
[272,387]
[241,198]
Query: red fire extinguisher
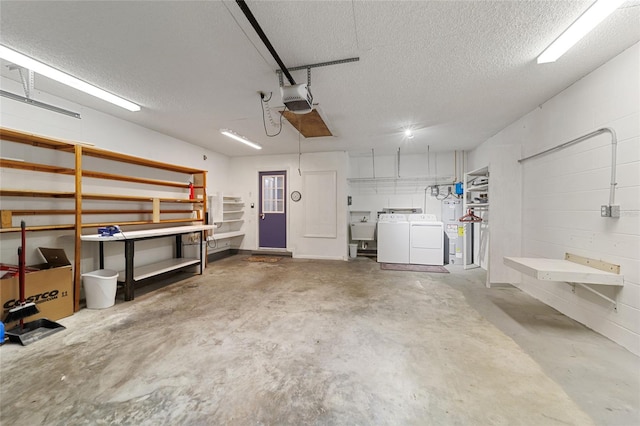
[191,193]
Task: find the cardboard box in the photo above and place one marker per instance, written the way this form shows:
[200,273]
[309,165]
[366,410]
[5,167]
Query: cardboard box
[48,285]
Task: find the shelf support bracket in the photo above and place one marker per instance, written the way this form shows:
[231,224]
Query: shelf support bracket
[614,302]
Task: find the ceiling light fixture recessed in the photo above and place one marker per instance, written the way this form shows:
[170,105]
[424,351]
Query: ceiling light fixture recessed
[408,133]
[64,78]
[235,136]
[581,27]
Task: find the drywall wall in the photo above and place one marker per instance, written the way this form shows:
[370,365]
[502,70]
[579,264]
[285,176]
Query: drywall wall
[562,192]
[243,181]
[503,220]
[104,131]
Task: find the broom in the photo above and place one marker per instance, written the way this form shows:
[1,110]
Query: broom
[23,310]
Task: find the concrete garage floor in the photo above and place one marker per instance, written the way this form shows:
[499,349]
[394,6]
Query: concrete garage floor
[321,342]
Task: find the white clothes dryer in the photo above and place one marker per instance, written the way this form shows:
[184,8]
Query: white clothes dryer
[426,240]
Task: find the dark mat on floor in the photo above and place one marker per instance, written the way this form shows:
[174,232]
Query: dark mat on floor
[266,259]
[414,268]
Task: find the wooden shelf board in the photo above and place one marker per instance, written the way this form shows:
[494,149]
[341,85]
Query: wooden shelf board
[124,158]
[87,149]
[94,211]
[40,228]
[34,140]
[35,194]
[125,178]
[36,167]
[115,197]
[562,270]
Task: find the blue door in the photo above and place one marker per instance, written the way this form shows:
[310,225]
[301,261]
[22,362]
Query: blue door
[272,223]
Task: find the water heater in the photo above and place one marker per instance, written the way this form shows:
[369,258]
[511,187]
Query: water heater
[451,212]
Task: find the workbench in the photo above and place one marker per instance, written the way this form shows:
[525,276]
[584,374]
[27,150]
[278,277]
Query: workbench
[131,275]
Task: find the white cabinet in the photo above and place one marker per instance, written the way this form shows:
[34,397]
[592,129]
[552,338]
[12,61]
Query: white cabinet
[476,189]
[476,209]
[227,217]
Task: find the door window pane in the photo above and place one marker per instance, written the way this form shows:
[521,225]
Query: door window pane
[273,194]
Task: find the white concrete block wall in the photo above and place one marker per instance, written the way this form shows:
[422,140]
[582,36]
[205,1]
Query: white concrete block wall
[562,192]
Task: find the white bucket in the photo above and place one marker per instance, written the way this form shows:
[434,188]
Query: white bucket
[100,288]
[353,251]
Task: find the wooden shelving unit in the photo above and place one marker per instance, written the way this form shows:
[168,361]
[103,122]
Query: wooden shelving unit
[158,207]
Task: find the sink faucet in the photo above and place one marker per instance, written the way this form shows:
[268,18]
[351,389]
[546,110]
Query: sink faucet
[364,219]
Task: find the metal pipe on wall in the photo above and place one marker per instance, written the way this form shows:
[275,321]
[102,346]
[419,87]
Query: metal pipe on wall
[614,145]
[455,166]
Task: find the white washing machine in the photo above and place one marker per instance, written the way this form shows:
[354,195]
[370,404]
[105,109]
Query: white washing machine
[393,238]
[426,240]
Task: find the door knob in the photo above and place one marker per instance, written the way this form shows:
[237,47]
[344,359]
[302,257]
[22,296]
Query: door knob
[262,216]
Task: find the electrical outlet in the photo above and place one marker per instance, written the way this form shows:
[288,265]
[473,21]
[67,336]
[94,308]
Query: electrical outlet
[605,211]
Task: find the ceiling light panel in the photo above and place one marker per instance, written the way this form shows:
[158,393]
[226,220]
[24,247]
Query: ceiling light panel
[233,135]
[581,27]
[64,78]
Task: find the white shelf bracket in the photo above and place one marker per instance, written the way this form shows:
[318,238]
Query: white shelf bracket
[614,302]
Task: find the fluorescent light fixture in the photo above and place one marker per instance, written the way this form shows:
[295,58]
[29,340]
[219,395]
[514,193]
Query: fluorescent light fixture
[54,74]
[581,27]
[234,135]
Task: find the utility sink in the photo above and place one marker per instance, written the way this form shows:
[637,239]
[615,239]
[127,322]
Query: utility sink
[363,231]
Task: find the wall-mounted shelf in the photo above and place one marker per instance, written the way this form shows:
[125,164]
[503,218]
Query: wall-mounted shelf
[224,235]
[574,270]
[562,270]
[477,188]
[229,221]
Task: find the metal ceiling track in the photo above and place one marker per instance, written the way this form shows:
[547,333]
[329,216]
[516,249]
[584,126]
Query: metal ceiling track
[283,69]
[28,84]
[38,104]
[256,26]
[317,65]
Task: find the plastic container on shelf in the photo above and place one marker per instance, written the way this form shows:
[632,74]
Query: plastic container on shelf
[100,288]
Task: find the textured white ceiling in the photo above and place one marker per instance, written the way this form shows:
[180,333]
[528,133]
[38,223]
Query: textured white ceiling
[456,71]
